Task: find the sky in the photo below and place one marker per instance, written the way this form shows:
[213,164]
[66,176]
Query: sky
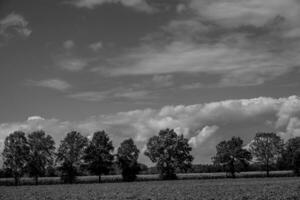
[210,69]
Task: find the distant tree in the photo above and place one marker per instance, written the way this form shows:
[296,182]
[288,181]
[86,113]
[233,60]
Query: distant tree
[70,154]
[296,162]
[288,153]
[15,154]
[231,154]
[170,152]
[127,157]
[41,153]
[98,155]
[266,148]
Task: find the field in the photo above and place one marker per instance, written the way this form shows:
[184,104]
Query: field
[146,177]
[213,189]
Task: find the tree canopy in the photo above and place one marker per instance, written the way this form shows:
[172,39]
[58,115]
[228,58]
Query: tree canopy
[15,154]
[40,154]
[170,152]
[127,158]
[70,154]
[266,148]
[98,154]
[231,154]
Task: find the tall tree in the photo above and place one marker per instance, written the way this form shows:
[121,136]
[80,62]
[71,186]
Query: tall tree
[170,152]
[296,162]
[15,154]
[41,153]
[127,157]
[70,154]
[266,148]
[231,154]
[290,148]
[98,155]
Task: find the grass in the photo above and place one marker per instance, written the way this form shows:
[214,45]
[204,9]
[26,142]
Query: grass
[151,177]
[286,188]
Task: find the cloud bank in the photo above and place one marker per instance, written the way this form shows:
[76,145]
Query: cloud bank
[204,125]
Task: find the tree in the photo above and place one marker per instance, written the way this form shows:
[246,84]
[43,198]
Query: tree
[98,155]
[15,154]
[127,158]
[266,149]
[296,162]
[231,154]
[70,154]
[41,153]
[290,148]
[170,152]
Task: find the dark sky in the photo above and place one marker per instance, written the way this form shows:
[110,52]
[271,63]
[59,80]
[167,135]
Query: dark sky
[125,65]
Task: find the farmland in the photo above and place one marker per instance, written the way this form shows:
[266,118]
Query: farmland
[251,188]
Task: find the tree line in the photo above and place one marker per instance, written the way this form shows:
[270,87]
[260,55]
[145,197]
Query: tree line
[35,153]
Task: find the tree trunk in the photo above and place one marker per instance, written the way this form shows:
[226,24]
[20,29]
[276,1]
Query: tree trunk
[268,170]
[232,169]
[16,180]
[36,178]
[99,179]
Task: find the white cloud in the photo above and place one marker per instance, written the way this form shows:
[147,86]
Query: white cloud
[55,84]
[96,46]
[139,5]
[205,125]
[14,23]
[68,44]
[206,132]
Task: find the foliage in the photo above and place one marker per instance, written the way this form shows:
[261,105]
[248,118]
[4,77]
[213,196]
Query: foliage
[15,154]
[98,155]
[231,154]
[127,158]
[290,148]
[170,152]
[41,153]
[266,148]
[69,156]
[296,162]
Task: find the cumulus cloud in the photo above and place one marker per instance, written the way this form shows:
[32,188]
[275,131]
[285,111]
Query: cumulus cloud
[14,23]
[206,132]
[55,84]
[205,125]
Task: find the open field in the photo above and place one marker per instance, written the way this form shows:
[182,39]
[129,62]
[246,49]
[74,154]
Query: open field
[217,189]
[146,177]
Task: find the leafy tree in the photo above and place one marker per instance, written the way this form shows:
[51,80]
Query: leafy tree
[170,152]
[41,153]
[296,162]
[70,154]
[290,148]
[15,154]
[98,155]
[266,148]
[127,157]
[231,154]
